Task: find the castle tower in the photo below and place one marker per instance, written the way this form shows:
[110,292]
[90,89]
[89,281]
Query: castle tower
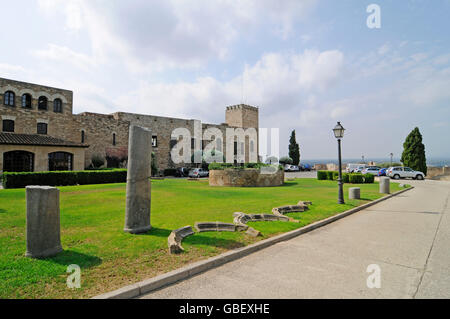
[244,116]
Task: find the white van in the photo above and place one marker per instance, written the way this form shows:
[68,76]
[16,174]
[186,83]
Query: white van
[352,167]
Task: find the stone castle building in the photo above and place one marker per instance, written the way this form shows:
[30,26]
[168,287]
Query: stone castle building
[39,131]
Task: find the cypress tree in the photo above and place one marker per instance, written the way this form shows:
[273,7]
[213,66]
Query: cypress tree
[294,149]
[413,155]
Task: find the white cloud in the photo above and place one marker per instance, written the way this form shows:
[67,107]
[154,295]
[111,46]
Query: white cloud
[159,34]
[66,55]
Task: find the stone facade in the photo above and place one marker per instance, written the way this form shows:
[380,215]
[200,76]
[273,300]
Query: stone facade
[106,134]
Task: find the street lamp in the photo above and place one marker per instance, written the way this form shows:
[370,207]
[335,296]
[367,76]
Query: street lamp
[339,134]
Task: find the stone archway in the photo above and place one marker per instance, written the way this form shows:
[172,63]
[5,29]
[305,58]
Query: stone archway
[18,161]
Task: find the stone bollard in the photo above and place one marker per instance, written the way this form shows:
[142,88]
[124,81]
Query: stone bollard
[385,185]
[137,214]
[354,193]
[43,228]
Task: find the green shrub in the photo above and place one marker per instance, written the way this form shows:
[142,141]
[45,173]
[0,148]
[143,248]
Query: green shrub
[285,160]
[322,175]
[170,171]
[356,178]
[345,177]
[369,178]
[330,175]
[64,178]
[335,176]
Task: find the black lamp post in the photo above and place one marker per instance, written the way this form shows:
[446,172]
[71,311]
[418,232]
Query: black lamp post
[339,134]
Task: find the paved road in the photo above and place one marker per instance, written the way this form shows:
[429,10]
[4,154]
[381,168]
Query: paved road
[408,236]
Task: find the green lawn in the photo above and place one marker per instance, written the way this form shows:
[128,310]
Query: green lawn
[92,220]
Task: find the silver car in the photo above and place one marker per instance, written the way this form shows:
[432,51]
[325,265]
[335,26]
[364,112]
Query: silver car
[398,172]
[198,172]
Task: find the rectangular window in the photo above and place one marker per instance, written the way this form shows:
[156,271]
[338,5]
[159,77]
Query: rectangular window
[193,143]
[235,148]
[8,126]
[42,128]
[154,141]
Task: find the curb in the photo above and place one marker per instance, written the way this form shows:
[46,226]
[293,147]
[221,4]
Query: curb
[148,285]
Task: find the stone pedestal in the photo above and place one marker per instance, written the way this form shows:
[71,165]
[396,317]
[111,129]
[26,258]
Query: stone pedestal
[43,227]
[385,185]
[354,193]
[137,215]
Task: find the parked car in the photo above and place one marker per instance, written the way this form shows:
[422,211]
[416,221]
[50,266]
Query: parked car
[360,168]
[371,170]
[398,172]
[182,172]
[291,168]
[305,167]
[198,172]
[352,167]
[382,172]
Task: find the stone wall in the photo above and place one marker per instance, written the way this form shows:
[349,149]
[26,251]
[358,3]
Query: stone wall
[245,178]
[433,171]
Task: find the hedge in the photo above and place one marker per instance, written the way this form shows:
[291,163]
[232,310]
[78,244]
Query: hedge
[322,175]
[369,178]
[63,178]
[354,178]
[170,171]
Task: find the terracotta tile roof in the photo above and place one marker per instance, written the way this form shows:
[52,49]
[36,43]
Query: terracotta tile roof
[36,139]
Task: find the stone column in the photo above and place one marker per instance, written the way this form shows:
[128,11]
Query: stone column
[43,228]
[137,215]
[385,185]
[354,193]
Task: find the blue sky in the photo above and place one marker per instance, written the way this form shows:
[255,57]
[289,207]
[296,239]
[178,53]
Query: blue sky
[306,64]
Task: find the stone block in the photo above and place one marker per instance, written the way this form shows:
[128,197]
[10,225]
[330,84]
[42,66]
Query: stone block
[354,193]
[385,185]
[43,221]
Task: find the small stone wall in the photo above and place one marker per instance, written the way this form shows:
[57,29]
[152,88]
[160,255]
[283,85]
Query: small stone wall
[245,178]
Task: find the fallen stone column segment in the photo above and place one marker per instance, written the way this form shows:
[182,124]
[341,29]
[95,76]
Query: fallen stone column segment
[175,238]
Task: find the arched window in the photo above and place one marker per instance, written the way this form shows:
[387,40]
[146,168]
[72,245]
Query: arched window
[82,137]
[42,103]
[60,161]
[57,106]
[8,126]
[26,101]
[42,128]
[8,98]
[18,161]
[114,139]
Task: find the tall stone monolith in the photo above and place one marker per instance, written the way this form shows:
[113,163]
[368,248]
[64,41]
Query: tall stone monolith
[385,185]
[137,215]
[43,226]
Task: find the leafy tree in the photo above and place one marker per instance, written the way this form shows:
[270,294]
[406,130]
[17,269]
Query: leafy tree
[285,160]
[414,152]
[294,149]
[97,160]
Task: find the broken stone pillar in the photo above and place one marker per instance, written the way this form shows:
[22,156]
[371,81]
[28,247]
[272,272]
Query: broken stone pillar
[385,185]
[137,215]
[354,193]
[43,227]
